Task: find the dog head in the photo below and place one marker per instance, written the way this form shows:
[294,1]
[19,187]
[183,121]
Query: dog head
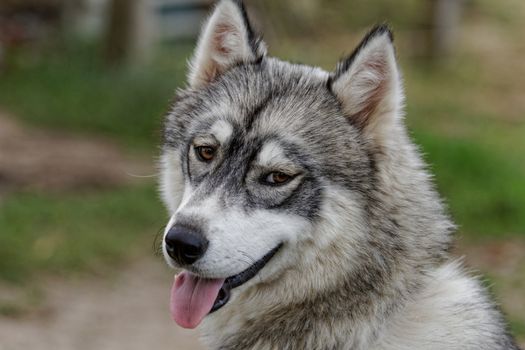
[259,152]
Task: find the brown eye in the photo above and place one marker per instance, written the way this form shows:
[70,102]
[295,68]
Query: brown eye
[277,178]
[205,153]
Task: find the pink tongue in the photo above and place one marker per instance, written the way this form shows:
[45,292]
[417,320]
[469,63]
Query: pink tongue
[192,298]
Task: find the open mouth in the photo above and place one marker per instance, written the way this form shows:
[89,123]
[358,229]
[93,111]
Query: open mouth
[239,279]
[193,297]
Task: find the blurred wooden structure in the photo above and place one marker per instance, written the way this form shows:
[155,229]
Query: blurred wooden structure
[134,26]
[443,24]
[27,20]
[120,46]
[128,27]
[170,19]
[179,19]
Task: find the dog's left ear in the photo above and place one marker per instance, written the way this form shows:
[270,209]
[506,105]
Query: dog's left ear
[368,84]
[226,39]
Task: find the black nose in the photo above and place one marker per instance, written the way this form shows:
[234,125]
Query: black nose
[185,245]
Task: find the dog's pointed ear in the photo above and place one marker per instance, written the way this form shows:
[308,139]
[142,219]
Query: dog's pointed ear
[226,39]
[368,83]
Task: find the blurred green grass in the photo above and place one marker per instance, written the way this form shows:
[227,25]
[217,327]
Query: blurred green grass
[66,233]
[477,155]
[484,191]
[70,89]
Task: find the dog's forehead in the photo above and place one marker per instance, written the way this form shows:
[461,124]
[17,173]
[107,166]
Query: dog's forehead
[273,85]
[272,97]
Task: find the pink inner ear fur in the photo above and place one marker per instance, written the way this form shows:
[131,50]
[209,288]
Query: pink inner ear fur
[220,37]
[375,94]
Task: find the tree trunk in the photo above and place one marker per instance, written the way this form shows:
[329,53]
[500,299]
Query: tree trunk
[443,20]
[128,38]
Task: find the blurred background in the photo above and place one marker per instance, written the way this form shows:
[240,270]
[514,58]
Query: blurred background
[83,88]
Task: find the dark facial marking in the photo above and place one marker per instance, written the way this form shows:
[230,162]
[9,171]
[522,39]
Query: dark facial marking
[252,115]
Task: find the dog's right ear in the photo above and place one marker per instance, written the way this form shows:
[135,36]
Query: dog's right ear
[226,39]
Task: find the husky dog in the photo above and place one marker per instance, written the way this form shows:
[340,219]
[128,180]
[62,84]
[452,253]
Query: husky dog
[301,213]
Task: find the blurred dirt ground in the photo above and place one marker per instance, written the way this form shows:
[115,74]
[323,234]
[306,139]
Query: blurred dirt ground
[36,159]
[128,312]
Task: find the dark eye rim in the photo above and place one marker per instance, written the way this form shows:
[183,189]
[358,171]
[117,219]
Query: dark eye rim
[275,184]
[199,156]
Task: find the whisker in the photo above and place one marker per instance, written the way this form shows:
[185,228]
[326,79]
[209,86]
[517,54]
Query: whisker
[157,242]
[249,260]
[142,176]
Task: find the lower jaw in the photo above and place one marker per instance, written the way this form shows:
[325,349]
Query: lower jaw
[235,281]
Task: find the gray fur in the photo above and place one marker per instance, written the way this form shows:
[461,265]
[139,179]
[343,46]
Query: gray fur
[390,284]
